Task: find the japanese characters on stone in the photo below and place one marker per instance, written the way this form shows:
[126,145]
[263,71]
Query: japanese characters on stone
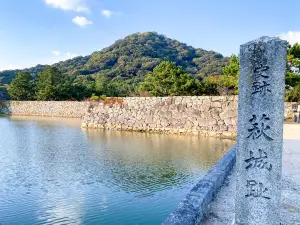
[259,124]
[260,84]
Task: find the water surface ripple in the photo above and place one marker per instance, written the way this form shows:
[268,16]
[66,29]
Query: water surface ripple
[53,172]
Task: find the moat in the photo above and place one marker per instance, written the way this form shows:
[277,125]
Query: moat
[54,172]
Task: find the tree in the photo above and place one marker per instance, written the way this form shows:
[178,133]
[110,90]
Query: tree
[293,95]
[160,81]
[233,69]
[294,50]
[117,88]
[101,82]
[133,57]
[83,87]
[185,84]
[292,79]
[293,66]
[209,89]
[227,83]
[165,80]
[64,90]
[52,85]
[22,87]
[168,79]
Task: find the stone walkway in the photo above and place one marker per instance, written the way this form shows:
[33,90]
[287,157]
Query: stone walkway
[221,211]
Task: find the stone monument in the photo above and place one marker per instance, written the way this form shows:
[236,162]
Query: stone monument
[260,131]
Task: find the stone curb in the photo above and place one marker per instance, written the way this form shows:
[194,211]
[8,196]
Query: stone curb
[192,209]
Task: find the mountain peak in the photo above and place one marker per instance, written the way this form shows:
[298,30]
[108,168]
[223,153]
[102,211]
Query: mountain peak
[134,56]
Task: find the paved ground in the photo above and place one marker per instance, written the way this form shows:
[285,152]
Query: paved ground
[221,211]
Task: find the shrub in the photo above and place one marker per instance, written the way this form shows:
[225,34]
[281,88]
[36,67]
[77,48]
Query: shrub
[94,98]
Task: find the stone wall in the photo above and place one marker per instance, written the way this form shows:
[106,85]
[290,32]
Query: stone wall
[70,109]
[198,115]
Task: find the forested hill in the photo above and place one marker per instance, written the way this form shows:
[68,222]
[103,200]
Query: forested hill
[133,57]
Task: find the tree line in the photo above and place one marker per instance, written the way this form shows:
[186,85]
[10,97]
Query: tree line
[166,79]
[132,58]
[50,84]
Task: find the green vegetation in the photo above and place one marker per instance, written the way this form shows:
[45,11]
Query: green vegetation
[227,84]
[22,87]
[293,95]
[293,73]
[94,98]
[52,85]
[168,79]
[120,69]
[133,57]
[142,64]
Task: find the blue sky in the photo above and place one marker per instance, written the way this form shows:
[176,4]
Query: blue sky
[47,31]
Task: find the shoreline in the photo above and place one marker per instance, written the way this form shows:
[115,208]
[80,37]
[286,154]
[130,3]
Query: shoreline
[290,133]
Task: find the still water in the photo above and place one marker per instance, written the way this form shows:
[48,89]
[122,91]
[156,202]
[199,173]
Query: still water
[53,172]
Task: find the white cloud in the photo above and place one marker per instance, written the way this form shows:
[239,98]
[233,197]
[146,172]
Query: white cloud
[10,67]
[71,55]
[63,55]
[56,53]
[72,5]
[292,37]
[81,21]
[107,13]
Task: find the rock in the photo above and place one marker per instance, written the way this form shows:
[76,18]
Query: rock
[205,107]
[227,114]
[260,131]
[216,105]
[215,113]
[218,98]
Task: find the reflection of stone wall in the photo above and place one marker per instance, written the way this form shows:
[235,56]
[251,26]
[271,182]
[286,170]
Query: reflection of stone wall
[44,108]
[198,115]
[203,115]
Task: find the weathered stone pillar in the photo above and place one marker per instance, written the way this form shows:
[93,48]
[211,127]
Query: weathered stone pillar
[260,131]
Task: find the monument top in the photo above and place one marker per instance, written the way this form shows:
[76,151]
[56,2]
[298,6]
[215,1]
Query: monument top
[265,39]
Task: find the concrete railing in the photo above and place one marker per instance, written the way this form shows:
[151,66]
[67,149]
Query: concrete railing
[192,209]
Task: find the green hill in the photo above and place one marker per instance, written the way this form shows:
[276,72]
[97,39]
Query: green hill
[133,57]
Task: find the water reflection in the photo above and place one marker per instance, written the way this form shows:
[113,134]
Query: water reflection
[141,162]
[52,172]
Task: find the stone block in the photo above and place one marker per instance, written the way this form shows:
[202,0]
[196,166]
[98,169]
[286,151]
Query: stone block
[260,131]
[215,113]
[205,115]
[216,105]
[218,98]
[205,107]
[228,114]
